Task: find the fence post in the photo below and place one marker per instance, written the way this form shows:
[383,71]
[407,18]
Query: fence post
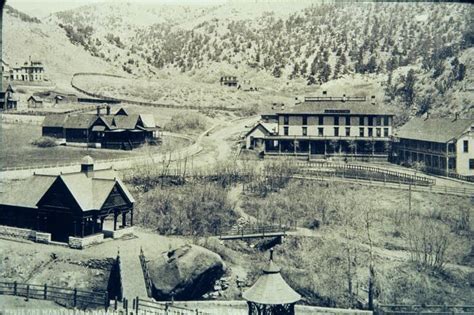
[106,300]
[75,297]
[136,304]
[45,295]
[27,292]
[15,284]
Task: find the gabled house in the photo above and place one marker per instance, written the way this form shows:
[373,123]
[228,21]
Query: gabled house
[8,99]
[67,207]
[254,138]
[120,131]
[35,102]
[443,146]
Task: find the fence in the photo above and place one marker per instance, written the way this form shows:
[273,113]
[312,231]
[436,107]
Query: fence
[367,172]
[424,309]
[64,296]
[146,274]
[162,308]
[143,103]
[259,229]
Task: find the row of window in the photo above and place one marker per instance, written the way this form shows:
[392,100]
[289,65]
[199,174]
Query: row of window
[370,133]
[371,121]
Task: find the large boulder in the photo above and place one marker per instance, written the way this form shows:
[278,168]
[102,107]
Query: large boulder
[186,273]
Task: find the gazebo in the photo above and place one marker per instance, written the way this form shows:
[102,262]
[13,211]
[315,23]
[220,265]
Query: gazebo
[271,294]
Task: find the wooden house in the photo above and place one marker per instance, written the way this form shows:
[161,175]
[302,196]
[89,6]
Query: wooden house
[8,99]
[53,126]
[322,127]
[443,146]
[119,131]
[68,205]
[35,102]
[229,81]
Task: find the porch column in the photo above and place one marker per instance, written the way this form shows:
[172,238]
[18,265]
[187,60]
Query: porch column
[373,147]
[82,227]
[325,147]
[294,146]
[309,148]
[279,146]
[115,220]
[124,219]
[131,217]
[102,223]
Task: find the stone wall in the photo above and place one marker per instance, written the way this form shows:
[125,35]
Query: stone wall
[80,243]
[10,231]
[42,237]
[119,233]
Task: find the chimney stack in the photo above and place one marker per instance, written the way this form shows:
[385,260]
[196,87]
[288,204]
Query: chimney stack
[282,106]
[108,109]
[373,99]
[98,110]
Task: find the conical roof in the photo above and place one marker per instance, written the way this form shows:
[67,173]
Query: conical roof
[271,288]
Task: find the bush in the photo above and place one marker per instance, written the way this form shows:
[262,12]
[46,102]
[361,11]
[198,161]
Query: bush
[45,142]
[186,121]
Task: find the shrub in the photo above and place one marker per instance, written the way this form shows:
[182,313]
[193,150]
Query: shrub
[186,121]
[45,142]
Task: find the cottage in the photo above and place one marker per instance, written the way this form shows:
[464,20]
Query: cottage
[229,81]
[67,207]
[323,127]
[120,131]
[254,138]
[442,146]
[35,102]
[8,99]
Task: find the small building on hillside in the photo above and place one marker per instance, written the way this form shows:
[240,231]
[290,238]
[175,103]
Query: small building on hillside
[35,102]
[67,207]
[229,81]
[443,146]
[8,99]
[114,131]
[322,127]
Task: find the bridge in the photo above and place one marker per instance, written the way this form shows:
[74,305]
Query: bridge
[255,232]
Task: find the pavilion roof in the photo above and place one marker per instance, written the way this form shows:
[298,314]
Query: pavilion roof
[271,288]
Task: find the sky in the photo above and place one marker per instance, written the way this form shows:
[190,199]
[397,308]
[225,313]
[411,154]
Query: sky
[41,8]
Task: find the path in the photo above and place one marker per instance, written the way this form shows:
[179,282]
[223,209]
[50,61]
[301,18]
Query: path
[133,281]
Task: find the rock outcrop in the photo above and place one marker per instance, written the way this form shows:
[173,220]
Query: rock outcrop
[185,273]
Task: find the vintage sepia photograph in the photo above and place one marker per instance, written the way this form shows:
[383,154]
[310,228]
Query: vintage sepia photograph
[236,157]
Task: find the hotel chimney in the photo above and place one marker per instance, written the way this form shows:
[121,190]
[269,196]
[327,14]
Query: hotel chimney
[87,166]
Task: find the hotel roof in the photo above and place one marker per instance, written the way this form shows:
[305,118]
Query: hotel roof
[434,129]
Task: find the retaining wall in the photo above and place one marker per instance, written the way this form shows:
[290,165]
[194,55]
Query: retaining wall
[120,232]
[26,234]
[82,242]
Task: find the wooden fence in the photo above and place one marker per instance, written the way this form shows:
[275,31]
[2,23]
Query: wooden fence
[423,309]
[143,103]
[145,306]
[63,296]
[146,274]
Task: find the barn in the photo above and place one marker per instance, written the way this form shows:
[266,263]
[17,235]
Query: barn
[68,207]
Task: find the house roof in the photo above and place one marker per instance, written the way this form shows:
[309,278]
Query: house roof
[434,129]
[122,111]
[337,106]
[83,121]
[270,128]
[148,120]
[90,193]
[36,186]
[54,120]
[35,98]
[271,288]
[125,122]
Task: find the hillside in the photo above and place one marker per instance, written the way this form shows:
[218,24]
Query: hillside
[24,36]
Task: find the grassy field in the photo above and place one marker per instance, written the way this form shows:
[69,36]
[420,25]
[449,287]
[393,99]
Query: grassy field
[17,149]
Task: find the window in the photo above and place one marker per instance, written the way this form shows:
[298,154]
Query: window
[378,121]
[336,120]
[371,121]
[361,120]
[371,132]
[320,132]
[385,121]
[466,146]
[336,131]
[305,120]
[378,132]
[471,164]
[305,131]
[361,132]
[286,120]
[385,132]
[348,131]
[348,120]
[320,120]
[285,131]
